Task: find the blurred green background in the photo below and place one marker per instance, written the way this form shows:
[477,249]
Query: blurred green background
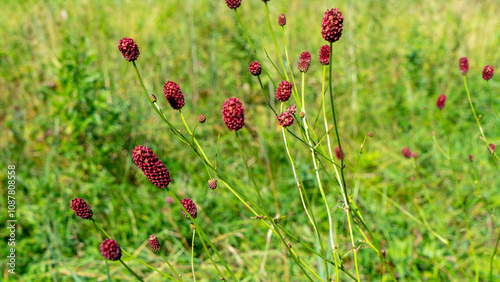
[72,110]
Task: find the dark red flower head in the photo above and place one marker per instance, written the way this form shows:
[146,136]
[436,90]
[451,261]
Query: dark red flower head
[492,148]
[337,153]
[324,55]
[332,25]
[292,109]
[151,166]
[212,183]
[129,49]
[285,119]
[233,114]
[471,158]
[174,95]
[255,68]
[440,101]
[284,91]
[488,72]
[233,4]
[406,152]
[304,61]
[202,118]
[282,20]
[110,250]
[189,205]
[81,209]
[464,65]
[154,244]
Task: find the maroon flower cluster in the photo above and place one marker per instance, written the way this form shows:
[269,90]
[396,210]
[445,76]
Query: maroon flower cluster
[284,91]
[202,118]
[189,205]
[492,148]
[233,114]
[332,25]
[174,95]
[154,244]
[255,68]
[463,64]
[81,209]
[152,167]
[304,61]
[110,250]
[292,109]
[233,4]
[285,119]
[324,55]
[406,152]
[337,153]
[212,183]
[488,72]
[441,100]
[282,20]
[129,49]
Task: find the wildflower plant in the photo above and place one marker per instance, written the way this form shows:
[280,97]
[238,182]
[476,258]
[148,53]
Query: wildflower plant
[295,119]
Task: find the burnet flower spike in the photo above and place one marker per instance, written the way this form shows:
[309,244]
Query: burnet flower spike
[284,91]
[190,207]
[332,25]
[110,250]
[129,49]
[151,166]
[81,208]
[441,100]
[174,95]
[233,114]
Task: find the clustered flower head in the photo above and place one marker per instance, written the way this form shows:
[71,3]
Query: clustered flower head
[233,114]
[332,25]
[285,119]
[292,109]
[255,68]
[129,49]
[153,168]
[233,4]
[81,208]
[324,55]
[202,118]
[154,244]
[174,95]
[212,183]
[282,20]
[337,153]
[488,72]
[189,205]
[284,91]
[110,250]
[471,158]
[304,61]
[441,100]
[406,152]
[492,148]
[464,65]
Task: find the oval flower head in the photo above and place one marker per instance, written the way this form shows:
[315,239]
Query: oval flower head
[233,114]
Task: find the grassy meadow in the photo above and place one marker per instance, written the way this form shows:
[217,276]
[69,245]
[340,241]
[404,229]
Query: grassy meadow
[72,110]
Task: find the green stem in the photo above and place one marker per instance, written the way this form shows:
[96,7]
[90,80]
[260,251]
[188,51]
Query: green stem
[493,256]
[318,179]
[266,213]
[192,255]
[131,271]
[492,102]
[211,259]
[477,119]
[178,277]
[202,233]
[459,193]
